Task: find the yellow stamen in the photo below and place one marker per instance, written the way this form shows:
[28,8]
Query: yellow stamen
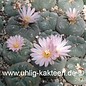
[47,54]
[72,21]
[16,45]
[26,19]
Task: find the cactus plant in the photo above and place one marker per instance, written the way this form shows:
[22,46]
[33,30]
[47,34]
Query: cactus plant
[64,27]
[29,79]
[30,33]
[9,9]
[76,71]
[47,21]
[46,38]
[14,57]
[78,46]
[14,27]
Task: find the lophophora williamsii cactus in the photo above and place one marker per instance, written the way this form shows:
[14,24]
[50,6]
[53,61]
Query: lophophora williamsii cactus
[76,71]
[71,23]
[16,49]
[25,75]
[78,46]
[24,24]
[47,21]
[41,37]
[8,8]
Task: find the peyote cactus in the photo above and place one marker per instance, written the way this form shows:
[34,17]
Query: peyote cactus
[14,57]
[78,46]
[22,80]
[77,68]
[16,26]
[67,28]
[47,21]
[9,10]
[41,41]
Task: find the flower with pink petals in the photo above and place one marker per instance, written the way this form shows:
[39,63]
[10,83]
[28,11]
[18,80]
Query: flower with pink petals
[62,49]
[15,43]
[49,49]
[28,15]
[44,52]
[72,15]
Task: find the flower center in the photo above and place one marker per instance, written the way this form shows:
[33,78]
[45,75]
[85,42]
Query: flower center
[16,45]
[26,18]
[72,20]
[47,54]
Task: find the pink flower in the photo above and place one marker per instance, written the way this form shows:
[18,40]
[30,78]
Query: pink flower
[28,15]
[62,49]
[72,14]
[44,52]
[49,49]
[15,43]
